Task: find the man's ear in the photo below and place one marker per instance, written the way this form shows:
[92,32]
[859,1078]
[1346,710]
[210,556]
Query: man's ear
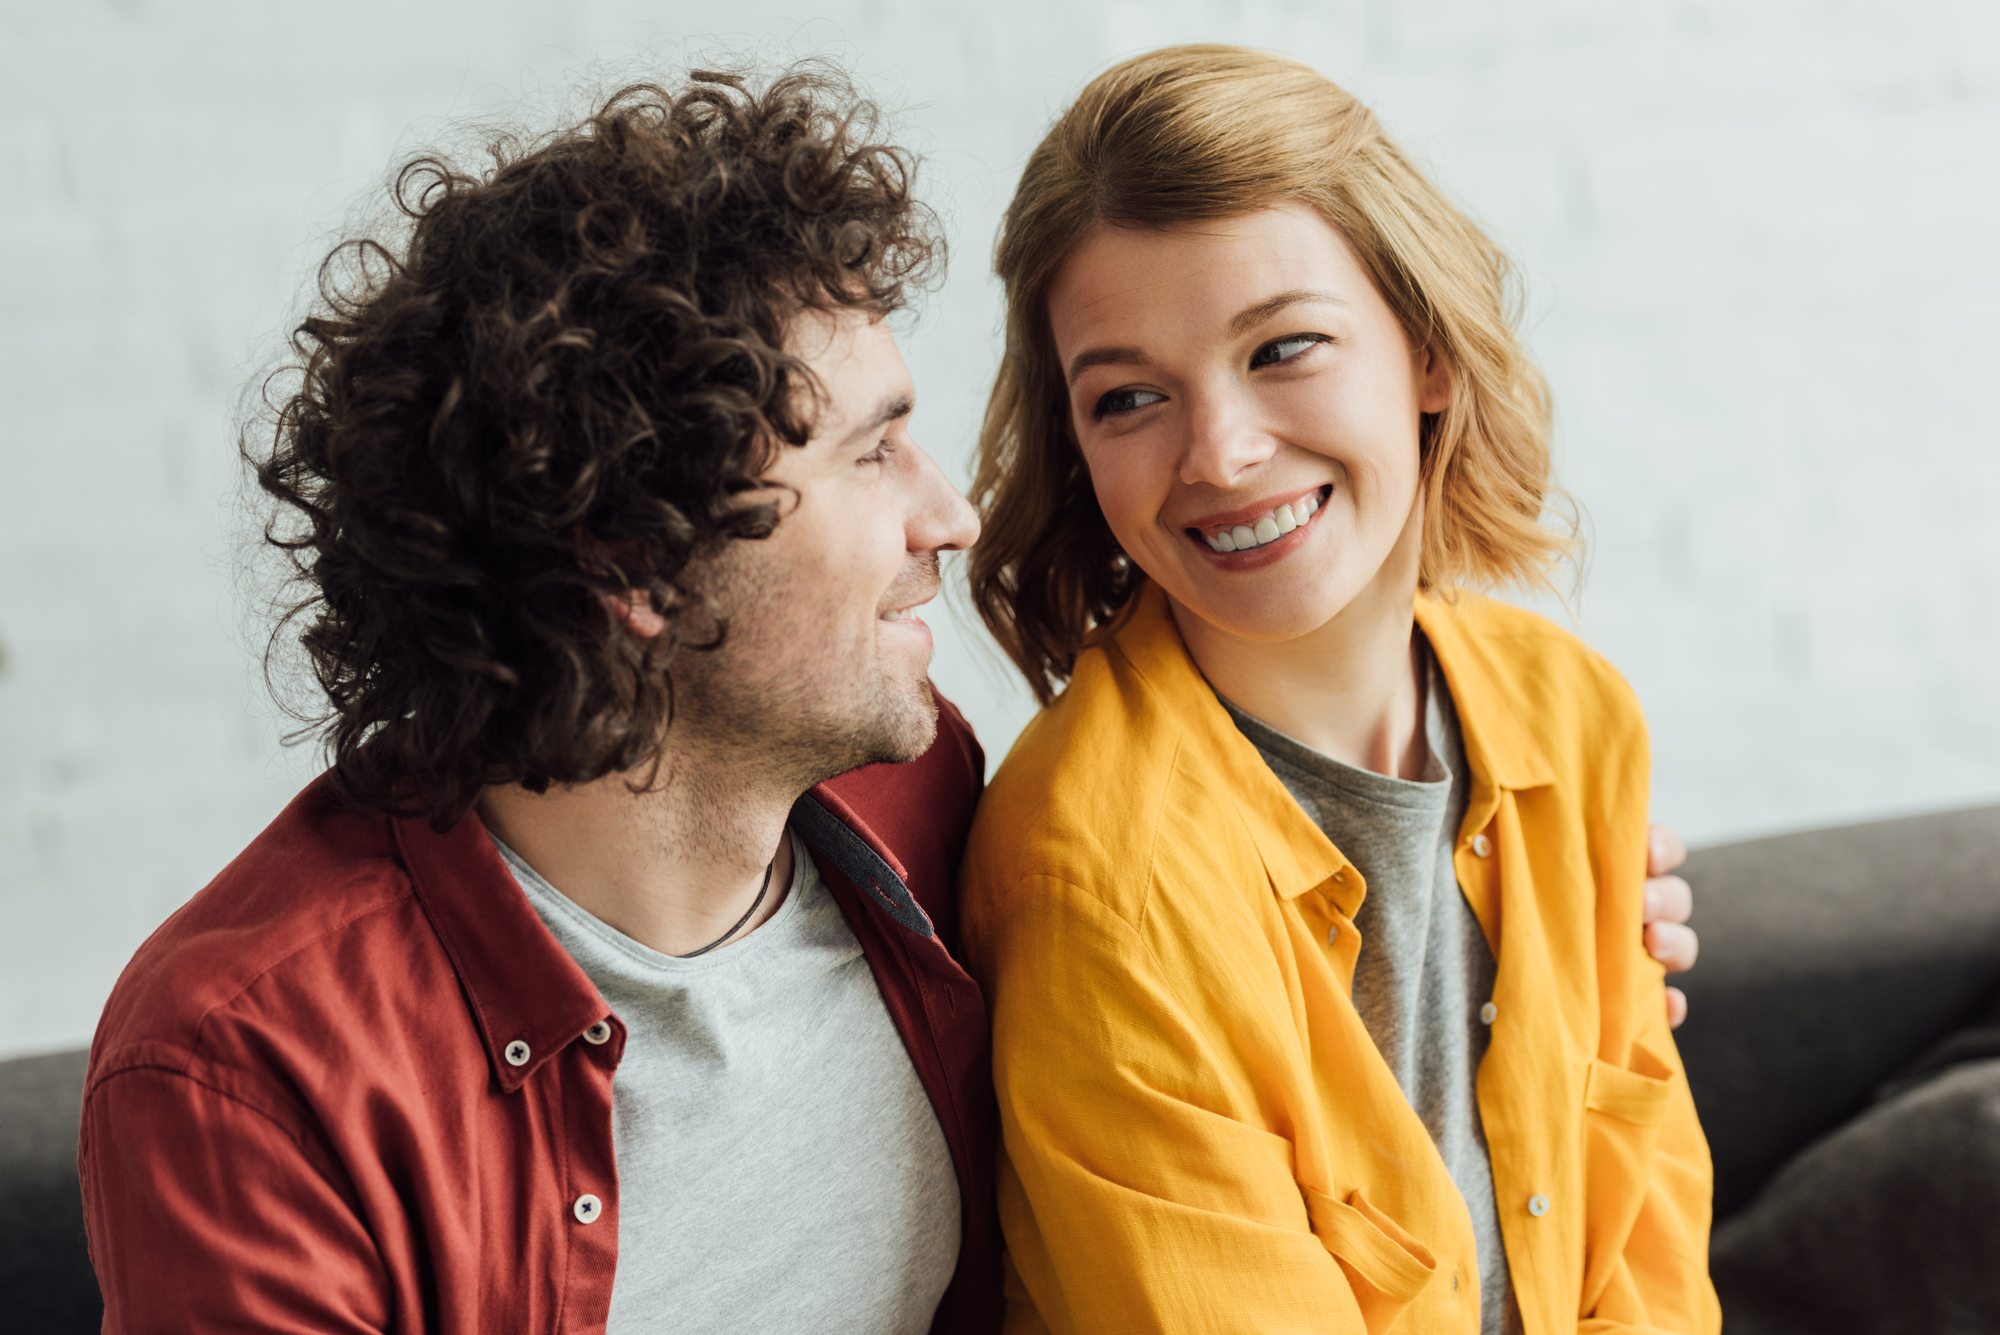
[635,611]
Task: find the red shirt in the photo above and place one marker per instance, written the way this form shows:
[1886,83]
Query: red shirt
[351,1085]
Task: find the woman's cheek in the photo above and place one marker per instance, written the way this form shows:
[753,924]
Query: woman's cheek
[1111,478]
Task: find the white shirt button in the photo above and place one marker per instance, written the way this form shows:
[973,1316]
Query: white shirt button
[1538,1205]
[517,1053]
[1333,934]
[1488,1013]
[588,1207]
[597,1033]
[1481,845]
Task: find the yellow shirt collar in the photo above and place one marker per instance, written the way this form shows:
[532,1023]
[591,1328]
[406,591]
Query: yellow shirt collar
[1500,751]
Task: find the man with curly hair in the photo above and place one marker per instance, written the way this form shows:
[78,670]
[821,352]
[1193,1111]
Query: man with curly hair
[604,980]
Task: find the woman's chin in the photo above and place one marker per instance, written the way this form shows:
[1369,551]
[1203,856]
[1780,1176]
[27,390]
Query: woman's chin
[1261,620]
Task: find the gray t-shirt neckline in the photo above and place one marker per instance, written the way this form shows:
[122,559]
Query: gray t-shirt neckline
[780,1166]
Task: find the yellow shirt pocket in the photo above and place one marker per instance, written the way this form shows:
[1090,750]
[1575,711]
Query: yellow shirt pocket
[1385,1266]
[1623,1109]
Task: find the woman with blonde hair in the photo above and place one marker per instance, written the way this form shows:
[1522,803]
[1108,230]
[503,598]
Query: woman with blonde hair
[1309,910]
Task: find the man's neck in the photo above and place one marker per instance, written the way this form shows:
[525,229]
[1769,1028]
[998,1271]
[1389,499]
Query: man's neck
[671,867]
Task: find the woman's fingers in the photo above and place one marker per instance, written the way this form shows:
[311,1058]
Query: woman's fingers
[1672,945]
[1668,899]
[1664,850]
[1677,1007]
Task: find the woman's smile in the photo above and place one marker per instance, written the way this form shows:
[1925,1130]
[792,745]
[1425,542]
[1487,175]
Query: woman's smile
[1261,532]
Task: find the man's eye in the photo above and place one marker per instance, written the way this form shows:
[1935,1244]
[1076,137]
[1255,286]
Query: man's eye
[1280,350]
[1126,401]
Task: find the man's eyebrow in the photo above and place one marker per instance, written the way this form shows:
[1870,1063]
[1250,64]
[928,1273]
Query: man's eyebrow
[891,409]
[1249,317]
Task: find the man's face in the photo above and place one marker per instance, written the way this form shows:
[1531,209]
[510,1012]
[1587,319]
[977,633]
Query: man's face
[825,665]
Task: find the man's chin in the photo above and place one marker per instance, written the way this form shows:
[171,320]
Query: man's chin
[922,733]
[899,730]
[909,733]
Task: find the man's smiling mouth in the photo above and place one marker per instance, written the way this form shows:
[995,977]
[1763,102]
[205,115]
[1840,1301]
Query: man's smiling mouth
[1247,534]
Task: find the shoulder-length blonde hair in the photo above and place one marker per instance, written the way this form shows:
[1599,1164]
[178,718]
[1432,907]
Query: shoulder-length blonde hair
[1201,132]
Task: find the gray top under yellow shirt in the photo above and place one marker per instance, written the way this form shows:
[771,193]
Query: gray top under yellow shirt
[1425,969]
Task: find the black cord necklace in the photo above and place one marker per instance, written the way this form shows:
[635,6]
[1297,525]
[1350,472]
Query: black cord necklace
[740,921]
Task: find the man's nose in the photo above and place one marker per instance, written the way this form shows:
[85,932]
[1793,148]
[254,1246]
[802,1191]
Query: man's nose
[1224,439]
[941,519]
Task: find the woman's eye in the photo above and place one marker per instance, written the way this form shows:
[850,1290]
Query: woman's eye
[1281,350]
[1125,401]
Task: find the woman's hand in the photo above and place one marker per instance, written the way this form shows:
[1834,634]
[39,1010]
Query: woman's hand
[1669,902]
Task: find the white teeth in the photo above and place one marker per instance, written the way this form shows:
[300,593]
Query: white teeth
[900,614]
[1268,528]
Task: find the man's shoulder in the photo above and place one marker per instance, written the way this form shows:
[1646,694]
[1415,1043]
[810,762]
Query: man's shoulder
[322,886]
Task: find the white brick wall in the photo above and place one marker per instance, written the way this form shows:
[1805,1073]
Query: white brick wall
[1760,242]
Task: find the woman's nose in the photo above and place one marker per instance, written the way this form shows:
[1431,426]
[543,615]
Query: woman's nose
[1224,440]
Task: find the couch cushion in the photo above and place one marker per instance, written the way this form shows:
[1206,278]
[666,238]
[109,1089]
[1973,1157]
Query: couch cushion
[1829,961]
[46,1284]
[1888,1225]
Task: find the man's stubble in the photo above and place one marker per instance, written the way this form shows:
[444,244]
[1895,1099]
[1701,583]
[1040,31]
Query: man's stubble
[790,700]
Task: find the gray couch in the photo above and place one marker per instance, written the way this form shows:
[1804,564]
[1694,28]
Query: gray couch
[46,1285]
[1843,1042]
[1840,1018]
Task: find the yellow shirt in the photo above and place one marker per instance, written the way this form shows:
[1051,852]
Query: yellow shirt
[1200,1135]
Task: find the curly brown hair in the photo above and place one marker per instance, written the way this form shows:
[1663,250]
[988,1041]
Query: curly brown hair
[563,383]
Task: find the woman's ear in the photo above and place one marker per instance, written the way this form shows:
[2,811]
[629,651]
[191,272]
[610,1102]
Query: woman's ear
[635,611]
[1433,380]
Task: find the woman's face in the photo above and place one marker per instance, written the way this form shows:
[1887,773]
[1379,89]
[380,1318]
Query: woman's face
[1249,408]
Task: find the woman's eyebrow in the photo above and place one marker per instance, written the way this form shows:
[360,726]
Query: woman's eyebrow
[1106,357]
[1245,319]
[1249,317]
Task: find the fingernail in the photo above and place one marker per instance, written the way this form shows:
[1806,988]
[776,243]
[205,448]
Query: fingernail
[1653,903]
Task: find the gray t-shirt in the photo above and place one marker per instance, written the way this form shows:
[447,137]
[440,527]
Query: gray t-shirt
[1424,969]
[780,1167]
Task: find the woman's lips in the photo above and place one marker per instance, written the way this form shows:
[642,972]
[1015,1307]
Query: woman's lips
[1243,532]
